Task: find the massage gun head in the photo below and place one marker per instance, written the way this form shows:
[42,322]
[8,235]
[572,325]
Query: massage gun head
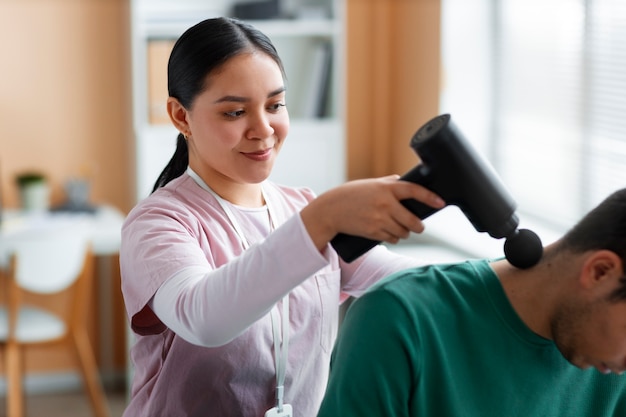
[461,177]
[523,249]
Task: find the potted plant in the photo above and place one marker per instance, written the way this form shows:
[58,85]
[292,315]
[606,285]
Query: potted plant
[34,191]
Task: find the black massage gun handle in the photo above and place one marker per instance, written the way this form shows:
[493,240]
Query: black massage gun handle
[350,247]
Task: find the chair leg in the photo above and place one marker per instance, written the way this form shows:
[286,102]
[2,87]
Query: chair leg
[89,369]
[15,393]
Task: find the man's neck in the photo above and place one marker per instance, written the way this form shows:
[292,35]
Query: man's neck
[530,292]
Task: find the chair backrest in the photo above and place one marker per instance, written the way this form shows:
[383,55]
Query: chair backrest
[50,260]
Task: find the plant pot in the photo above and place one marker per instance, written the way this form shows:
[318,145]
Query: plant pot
[35,196]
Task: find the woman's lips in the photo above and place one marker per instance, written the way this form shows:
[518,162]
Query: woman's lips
[263,155]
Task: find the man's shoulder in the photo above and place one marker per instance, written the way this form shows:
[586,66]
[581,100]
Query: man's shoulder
[431,276]
[434,288]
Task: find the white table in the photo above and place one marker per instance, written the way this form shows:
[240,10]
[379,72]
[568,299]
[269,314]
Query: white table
[103,226]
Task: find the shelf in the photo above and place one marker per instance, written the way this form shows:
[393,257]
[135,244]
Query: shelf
[297,27]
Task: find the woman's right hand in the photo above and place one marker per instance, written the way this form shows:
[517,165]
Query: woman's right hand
[369,208]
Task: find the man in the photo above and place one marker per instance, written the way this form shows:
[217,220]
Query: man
[483,338]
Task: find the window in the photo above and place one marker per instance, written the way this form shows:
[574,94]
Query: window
[540,89]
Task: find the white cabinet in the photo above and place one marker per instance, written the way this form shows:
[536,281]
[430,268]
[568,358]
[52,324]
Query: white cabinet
[311,47]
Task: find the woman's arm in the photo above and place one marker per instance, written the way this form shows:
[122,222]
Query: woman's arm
[210,308]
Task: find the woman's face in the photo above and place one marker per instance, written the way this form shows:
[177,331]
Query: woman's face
[238,124]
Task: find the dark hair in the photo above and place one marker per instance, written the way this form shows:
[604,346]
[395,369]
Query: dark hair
[202,49]
[602,228]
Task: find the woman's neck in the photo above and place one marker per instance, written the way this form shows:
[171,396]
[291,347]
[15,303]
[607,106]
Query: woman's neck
[245,195]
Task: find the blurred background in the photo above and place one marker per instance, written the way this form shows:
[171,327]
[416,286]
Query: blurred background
[539,88]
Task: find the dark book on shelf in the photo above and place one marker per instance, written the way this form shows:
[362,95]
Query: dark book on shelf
[318,96]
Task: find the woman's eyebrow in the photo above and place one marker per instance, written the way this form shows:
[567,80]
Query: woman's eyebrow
[235,99]
[276,92]
[238,99]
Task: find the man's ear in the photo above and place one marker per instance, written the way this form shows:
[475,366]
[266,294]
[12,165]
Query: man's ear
[178,115]
[601,267]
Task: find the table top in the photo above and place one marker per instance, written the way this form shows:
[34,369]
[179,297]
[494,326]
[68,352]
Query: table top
[103,226]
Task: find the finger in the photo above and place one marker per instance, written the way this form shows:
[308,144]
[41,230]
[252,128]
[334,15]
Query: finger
[406,220]
[393,177]
[406,189]
[397,231]
[411,222]
[389,238]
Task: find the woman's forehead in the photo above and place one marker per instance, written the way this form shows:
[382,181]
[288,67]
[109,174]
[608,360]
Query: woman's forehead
[246,69]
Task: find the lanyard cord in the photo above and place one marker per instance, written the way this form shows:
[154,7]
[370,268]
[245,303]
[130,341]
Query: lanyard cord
[280,354]
[281,349]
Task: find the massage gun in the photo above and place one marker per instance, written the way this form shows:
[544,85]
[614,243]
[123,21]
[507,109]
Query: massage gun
[452,169]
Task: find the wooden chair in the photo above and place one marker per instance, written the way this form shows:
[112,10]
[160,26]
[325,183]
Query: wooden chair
[51,263]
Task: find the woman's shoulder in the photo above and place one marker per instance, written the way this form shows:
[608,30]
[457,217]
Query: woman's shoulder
[179,199]
[163,195]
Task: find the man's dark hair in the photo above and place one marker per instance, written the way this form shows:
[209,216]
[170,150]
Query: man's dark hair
[603,228]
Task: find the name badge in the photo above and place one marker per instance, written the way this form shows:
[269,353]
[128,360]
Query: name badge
[285,412]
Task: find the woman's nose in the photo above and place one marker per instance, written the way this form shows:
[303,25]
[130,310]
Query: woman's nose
[260,127]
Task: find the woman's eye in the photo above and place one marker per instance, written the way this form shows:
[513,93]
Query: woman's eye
[236,113]
[276,106]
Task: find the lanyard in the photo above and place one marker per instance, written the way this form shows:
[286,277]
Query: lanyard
[280,348]
[280,353]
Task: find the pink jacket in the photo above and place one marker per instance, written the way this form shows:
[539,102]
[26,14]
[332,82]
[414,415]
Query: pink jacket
[182,226]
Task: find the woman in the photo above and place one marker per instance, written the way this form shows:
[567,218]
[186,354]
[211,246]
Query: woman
[229,281]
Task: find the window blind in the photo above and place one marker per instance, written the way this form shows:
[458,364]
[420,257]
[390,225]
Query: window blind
[606,104]
[554,126]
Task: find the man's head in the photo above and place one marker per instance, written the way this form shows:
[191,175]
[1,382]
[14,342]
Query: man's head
[589,325]
[603,228]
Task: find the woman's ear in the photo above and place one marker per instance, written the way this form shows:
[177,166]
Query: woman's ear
[600,267]
[178,115]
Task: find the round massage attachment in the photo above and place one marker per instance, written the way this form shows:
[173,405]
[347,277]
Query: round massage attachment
[523,249]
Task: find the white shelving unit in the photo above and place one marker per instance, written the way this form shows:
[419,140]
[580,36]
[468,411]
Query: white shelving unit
[314,152]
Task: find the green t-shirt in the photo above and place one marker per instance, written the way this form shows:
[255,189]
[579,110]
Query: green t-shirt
[444,341]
